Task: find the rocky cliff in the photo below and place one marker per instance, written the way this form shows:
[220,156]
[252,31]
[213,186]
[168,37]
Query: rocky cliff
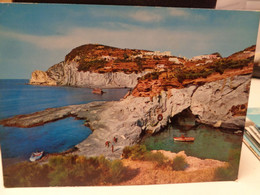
[215,93]
[41,78]
[67,74]
[94,65]
[216,103]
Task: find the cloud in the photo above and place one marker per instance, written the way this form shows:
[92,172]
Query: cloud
[181,42]
[139,15]
[186,14]
[179,13]
[129,37]
[145,16]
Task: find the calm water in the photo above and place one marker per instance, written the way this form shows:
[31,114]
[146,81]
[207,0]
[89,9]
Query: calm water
[209,142]
[18,98]
[17,143]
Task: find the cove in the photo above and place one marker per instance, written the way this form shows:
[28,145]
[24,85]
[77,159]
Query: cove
[209,142]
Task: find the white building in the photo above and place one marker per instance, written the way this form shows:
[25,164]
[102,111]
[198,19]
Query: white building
[137,56]
[208,57]
[175,60]
[158,53]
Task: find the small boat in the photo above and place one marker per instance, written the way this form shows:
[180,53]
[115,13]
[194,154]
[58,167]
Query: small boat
[36,156]
[184,139]
[98,91]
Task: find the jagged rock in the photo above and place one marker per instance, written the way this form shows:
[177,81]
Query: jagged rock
[149,108]
[66,73]
[213,101]
[56,72]
[128,118]
[41,78]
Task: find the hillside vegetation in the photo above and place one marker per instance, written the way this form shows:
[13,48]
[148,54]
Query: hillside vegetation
[164,71]
[138,166]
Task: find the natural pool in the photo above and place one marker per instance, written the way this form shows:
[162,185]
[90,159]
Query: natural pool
[209,142]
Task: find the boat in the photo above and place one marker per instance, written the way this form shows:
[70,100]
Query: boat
[36,156]
[97,91]
[184,139]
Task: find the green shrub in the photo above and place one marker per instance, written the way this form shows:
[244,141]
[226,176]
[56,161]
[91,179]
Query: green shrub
[221,65]
[65,171]
[157,157]
[179,163]
[117,171]
[135,152]
[225,174]
[91,65]
[231,171]
[139,152]
[26,174]
[152,76]
[139,63]
[191,74]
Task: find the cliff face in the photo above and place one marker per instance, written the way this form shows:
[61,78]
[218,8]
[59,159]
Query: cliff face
[94,65]
[219,103]
[68,74]
[212,104]
[41,78]
[214,91]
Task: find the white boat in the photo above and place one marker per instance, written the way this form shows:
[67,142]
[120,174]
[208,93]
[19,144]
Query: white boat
[36,156]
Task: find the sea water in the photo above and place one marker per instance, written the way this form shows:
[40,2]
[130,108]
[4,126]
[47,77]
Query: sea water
[254,115]
[211,143]
[17,97]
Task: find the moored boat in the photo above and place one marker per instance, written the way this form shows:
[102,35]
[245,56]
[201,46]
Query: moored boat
[36,156]
[184,139]
[97,91]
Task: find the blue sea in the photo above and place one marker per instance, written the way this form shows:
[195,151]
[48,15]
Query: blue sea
[16,97]
[254,115]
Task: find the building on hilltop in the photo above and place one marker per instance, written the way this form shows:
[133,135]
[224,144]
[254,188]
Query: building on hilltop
[158,53]
[175,60]
[202,57]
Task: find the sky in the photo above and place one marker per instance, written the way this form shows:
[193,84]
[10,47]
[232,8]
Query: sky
[37,36]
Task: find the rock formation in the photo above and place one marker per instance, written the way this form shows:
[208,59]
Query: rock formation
[127,119]
[216,93]
[41,78]
[68,74]
[94,65]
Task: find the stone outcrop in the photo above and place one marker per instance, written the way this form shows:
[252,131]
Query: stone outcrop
[128,118]
[67,74]
[217,98]
[213,101]
[41,78]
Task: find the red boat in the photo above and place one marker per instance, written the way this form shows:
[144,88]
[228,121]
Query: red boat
[184,139]
[97,91]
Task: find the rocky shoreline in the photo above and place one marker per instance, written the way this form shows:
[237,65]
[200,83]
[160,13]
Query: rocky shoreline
[212,103]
